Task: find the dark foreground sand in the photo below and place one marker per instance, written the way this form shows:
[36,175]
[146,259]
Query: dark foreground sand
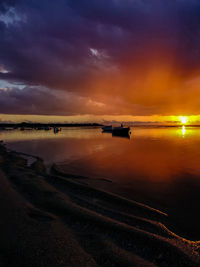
[52,220]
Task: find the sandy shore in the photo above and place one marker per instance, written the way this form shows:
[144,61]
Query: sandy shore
[51,219]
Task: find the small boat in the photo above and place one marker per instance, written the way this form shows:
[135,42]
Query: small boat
[121,131]
[108,128]
[56,129]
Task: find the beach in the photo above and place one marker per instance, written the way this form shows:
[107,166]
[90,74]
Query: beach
[52,219]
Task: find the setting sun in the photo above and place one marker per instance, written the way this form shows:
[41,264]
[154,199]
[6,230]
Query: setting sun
[184,120]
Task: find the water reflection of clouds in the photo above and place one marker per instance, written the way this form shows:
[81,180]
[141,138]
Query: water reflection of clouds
[154,153]
[75,133]
[174,133]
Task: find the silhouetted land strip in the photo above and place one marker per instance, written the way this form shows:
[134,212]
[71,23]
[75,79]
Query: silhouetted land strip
[49,219]
[38,125]
[43,125]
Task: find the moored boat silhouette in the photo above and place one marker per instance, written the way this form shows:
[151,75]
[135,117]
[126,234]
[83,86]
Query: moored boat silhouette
[121,131]
[117,131]
[57,129]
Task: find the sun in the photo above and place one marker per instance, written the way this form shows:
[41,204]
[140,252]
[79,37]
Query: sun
[183,119]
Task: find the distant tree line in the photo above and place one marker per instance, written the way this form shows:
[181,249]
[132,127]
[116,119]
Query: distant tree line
[38,125]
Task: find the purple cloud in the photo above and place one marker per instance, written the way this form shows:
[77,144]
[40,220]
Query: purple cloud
[91,50]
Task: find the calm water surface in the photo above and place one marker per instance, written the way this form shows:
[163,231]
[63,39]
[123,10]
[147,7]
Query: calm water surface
[153,154]
[156,165]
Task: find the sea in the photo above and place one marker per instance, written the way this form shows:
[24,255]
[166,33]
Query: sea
[158,166]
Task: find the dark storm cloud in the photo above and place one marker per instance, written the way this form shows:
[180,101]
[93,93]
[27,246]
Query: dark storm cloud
[6,4]
[48,44]
[37,100]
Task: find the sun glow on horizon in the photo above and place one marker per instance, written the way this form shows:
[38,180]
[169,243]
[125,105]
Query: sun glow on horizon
[183,119]
[176,120]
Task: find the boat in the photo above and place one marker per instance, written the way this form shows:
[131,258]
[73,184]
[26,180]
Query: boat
[121,131]
[108,129]
[56,129]
[117,131]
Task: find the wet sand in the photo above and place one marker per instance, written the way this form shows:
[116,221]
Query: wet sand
[54,219]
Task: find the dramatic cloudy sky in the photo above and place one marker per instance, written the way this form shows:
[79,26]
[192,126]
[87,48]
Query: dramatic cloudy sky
[100,57]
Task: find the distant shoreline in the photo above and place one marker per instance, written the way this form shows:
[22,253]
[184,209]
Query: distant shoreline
[35,125]
[38,125]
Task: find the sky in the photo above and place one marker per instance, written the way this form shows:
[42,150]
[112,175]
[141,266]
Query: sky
[99,60]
